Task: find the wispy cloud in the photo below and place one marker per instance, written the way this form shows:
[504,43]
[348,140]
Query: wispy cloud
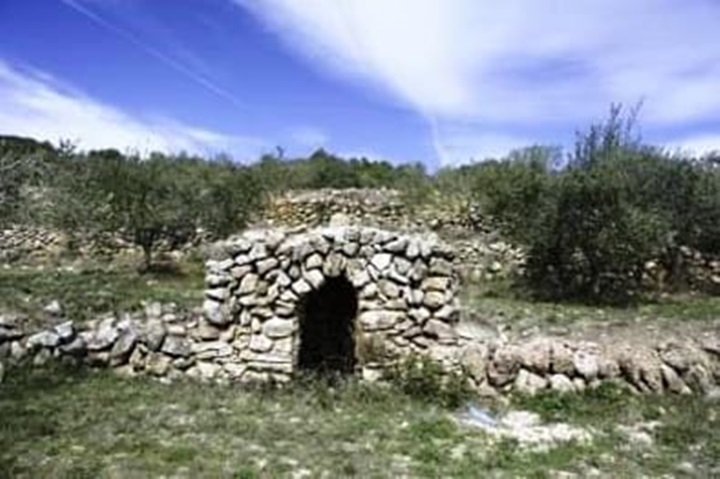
[182,60]
[486,68]
[35,104]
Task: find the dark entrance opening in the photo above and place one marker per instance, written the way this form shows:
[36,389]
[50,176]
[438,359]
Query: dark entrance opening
[327,321]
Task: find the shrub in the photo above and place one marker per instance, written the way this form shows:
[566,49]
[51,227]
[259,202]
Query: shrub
[591,227]
[422,378]
[702,218]
[592,243]
[514,191]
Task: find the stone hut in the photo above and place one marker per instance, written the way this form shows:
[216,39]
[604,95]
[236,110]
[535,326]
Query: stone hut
[340,298]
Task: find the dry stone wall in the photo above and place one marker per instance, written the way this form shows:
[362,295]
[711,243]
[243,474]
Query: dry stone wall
[39,245]
[405,289]
[169,343]
[249,328]
[24,242]
[161,341]
[673,365]
[383,208]
[481,254]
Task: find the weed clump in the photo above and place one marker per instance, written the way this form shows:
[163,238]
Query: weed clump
[427,380]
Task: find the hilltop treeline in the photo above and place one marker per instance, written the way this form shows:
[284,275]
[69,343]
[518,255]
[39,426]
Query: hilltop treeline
[165,197]
[590,219]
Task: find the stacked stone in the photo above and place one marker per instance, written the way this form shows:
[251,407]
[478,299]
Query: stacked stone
[248,327]
[315,207]
[161,341]
[483,259]
[406,288]
[673,366]
[383,208]
[167,343]
[702,271]
[19,242]
[37,245]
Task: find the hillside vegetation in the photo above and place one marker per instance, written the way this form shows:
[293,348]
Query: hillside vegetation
[591,220]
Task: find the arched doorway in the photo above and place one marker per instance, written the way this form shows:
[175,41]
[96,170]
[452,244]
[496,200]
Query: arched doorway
[327,321]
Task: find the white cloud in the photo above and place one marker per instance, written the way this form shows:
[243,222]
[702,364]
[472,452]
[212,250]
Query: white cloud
[484,65]
[35,104]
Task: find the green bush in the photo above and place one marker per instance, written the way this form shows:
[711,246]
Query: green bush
[591,226]
[701,228]
[516,190]
[592,243]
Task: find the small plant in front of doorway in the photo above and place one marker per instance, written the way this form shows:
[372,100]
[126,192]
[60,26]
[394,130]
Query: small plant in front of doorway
[370,348]
[425,379]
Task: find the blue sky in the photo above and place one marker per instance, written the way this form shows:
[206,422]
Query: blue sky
[437,81]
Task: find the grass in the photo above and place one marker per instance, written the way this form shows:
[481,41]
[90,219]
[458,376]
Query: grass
[512,309]
[60,423]
[89,291]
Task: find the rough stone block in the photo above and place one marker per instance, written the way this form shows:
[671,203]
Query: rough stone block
[278,328]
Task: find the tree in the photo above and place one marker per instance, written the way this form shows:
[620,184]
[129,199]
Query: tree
[228,197]
[591,227]
[591,242]
[23,163]
[161,198]
[514,191]
[144,199]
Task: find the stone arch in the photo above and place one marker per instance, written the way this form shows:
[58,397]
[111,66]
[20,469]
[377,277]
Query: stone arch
[404,286]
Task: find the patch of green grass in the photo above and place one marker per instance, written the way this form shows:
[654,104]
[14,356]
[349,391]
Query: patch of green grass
[63,423]
[514,309]
[606,401]
[89,291]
